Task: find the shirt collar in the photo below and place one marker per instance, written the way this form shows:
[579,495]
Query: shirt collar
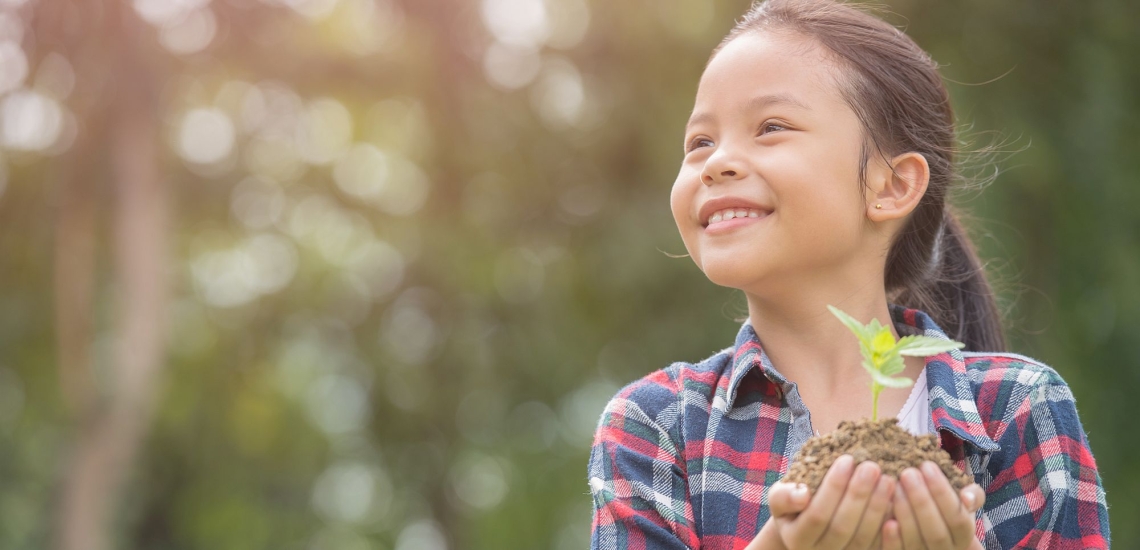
[952,404]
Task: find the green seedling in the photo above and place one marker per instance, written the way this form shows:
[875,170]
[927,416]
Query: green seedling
[882,354]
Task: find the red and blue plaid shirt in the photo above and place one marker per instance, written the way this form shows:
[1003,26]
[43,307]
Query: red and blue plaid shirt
[684,457]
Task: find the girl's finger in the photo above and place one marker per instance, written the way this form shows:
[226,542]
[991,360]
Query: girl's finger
[786,499]
[877,543]
[907,523]
[892,539]
[808,526]
[845,520]
[930,521]
[872,521]
[959,519]
[973,497]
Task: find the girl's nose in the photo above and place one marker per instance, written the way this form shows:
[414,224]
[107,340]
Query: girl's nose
[708,178]
[725,163]
[726,173]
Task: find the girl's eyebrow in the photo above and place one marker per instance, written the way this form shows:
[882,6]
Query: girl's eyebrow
[754,103]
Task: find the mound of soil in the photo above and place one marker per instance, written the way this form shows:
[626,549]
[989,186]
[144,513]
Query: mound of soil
[882,441]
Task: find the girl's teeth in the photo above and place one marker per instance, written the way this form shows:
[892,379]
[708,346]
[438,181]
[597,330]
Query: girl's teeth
[725,215]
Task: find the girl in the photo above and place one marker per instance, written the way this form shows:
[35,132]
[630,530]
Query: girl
[817,164]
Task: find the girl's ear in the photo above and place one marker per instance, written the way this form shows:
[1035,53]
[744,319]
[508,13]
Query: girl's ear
[899,193]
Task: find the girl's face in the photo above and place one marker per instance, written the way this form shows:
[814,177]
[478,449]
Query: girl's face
[771,133]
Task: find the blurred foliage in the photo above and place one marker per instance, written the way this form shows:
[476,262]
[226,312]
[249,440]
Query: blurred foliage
[418,245]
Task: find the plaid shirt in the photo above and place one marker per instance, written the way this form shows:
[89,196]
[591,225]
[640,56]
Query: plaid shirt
[684,457]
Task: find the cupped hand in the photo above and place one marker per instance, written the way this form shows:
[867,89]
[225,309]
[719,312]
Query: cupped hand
[929,514]
[846,512]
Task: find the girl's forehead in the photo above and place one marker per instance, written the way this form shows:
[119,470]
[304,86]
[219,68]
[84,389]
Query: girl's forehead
[768,64]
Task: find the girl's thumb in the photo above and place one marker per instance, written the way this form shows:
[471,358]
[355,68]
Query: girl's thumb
[788,499]
[973,497]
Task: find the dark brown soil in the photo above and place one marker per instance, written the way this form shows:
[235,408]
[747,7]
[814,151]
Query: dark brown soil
[882,441]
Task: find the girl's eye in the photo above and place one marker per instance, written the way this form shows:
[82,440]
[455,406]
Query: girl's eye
[695,143]
[770,125]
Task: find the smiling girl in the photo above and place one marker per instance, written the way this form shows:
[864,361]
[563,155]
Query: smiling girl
[817,164]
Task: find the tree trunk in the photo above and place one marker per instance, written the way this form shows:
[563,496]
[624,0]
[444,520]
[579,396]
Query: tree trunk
[109,433]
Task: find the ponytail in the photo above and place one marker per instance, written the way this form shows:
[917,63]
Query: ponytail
[951,286]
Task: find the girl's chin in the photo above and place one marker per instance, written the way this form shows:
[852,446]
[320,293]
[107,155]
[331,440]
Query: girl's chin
[733,276]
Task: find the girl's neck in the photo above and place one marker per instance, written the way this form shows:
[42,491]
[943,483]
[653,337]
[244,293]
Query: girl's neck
[809,345]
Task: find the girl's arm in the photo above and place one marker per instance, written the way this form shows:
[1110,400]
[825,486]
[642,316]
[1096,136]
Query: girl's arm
[1046,491]
[637,473]
[1042,491]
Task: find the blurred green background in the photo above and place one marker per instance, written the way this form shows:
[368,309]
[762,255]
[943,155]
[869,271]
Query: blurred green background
[349,274]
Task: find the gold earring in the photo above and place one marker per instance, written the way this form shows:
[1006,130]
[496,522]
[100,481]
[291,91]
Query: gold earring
[878,205]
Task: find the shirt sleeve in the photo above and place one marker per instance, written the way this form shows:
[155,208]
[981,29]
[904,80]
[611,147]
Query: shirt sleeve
[637,472]
[1049,494]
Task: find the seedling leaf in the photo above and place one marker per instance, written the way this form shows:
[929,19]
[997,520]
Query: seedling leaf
[852,323]
[899,382]
[892,364]
[882,355]
[883,342]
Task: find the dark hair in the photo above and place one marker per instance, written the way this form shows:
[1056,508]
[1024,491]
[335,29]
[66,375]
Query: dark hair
[894,88]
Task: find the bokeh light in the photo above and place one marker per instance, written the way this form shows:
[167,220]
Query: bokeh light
[206,136]
[511,66]
[13,65]
[55,76]
[480,481]
[559,96]
[325,131]
[261,264]
[190,33]
[352,491]
[408,331]
[30,121]
[162,12]
[337,404]
[424,534]
[386,180]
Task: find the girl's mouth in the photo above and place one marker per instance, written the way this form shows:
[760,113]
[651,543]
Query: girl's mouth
[725,226]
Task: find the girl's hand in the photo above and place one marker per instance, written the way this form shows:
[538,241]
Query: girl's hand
[928,514]
[847,512]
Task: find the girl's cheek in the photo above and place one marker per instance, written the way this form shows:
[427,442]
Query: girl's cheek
[684,190]
[677,205]
[685,174]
